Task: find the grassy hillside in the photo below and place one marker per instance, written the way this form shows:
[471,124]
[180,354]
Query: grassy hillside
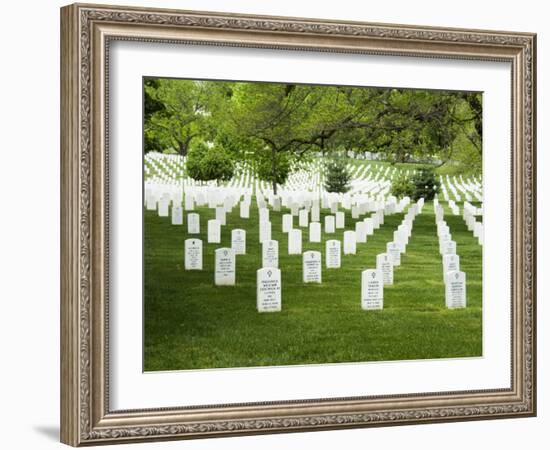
[192,324]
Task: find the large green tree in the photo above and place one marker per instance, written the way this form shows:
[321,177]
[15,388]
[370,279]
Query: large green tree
[274,126]
[282,122]
[206,163]
[151,105]
[183,115]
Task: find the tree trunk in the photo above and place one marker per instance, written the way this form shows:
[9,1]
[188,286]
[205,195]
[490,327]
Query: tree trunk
[184,145]
[182,150]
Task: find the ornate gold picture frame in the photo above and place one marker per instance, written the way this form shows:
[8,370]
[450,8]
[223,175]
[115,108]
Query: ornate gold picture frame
[87,32]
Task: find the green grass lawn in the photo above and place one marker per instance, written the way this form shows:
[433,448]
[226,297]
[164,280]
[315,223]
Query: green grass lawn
[191,324]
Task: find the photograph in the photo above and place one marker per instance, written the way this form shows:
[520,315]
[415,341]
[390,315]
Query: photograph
[295,224]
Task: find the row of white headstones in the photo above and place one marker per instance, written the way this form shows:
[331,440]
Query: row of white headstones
[226,273]
[453,277]
[365,178]
[469,215]
[372,280]
[158,197]
[160,166]
[238,236]
[460,188]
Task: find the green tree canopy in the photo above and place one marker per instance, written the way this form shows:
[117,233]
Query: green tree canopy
[185,111]
[206,163]
[422,184]
[274,126]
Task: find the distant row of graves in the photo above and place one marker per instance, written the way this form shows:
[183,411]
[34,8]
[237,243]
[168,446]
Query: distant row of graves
[367,178]
[367,212]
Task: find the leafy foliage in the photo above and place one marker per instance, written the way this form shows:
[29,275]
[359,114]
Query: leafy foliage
[184,115]
[274,126]
[272,166]
[403,186]
[425,183]
[206,163]
[337,177]
[422,184]
[151,106]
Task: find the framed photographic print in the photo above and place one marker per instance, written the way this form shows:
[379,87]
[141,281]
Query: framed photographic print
[276,224]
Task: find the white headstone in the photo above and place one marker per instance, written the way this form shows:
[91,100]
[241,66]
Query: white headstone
[480,237]
[224,271]
[220,214]
[189,202]
[212,199]
[228,204]
[350,242]
[449,248]
[451,263]
[244,210]
[193,223]
[443,240]
[340,220]
[400,238]
[372,289]
[276,203]
[201,199]
[330,224]
[177,215]
[369,226]
[214,231]
[151,203]
[238,241]
[315,213]
[163,207]
[355,212]
[333,207]
[265,230]
[311,267]
[395,253]
[303,218]
[385,265]
[478,229]
[287,222]
[389,208]
[295,242]
[406,229]
[263,214]
[455,290]
[193,254]
[268,289]
[375,221]
[361,232]
[314,232]
[333,254]
[442,228]
[270,253]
